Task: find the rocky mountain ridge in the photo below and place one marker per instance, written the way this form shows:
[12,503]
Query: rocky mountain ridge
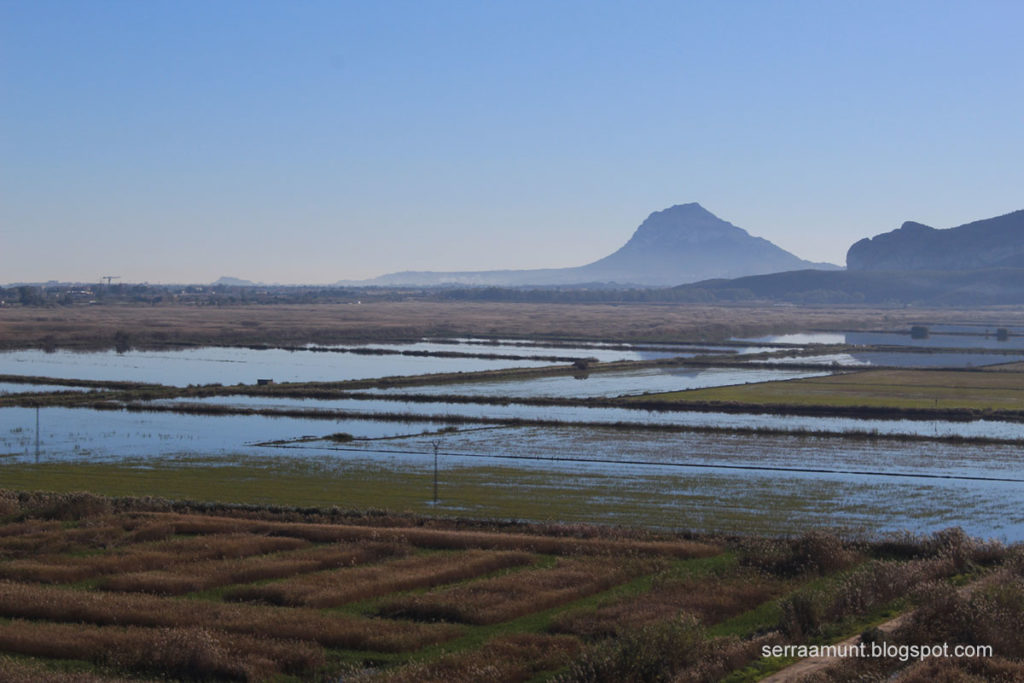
[990,243]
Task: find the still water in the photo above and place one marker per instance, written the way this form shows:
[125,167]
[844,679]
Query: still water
[224,365]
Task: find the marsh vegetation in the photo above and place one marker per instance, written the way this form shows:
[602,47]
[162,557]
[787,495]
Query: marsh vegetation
[104,588]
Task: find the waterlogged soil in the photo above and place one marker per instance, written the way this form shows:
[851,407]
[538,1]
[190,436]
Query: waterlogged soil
[717,482]
[611,384]
[604,354]
[18,388]
[800,338]
[882,457]
[879,485]
[943,336]
[743,482]
[901,359]
[226,365]
[661,496]
[681,418]
[69,434]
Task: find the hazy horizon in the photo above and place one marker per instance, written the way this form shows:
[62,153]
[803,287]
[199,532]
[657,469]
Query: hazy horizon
[309,143]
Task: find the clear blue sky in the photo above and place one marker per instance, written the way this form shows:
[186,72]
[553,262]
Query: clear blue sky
[313,141]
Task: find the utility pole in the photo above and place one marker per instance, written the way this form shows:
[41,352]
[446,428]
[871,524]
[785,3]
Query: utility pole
[437,445]
[37,434]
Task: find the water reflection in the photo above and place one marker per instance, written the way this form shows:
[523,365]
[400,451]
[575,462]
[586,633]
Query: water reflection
[224,365]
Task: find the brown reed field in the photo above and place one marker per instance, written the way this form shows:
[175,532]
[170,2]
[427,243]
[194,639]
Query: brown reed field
[96,326]
[334,588]
[97,589]
[199,576]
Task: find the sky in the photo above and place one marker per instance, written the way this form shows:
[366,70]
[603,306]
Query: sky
[309,141]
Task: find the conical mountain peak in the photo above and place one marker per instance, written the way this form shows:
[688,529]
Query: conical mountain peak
[683,243]
[685,224]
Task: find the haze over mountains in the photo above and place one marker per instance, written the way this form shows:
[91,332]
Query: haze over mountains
[684,243]
[692,255]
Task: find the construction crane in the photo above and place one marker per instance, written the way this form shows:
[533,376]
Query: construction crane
[108,278]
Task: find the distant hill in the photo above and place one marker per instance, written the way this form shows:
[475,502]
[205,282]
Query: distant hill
[234,282]
[988,286]
[990,243]
[683,243]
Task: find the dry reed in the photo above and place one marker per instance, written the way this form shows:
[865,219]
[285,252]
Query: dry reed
[199,576]
[184,652]
[443,539]
[330,589]
[28,601]
[23,671]
[709,599]
[69,569]
[501,598]
[511,658]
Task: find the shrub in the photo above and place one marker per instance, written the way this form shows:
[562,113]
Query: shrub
[813,552]
[676,650]
[805,612]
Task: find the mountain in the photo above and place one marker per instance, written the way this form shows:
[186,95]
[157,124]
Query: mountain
[984,287]
[234,282]
[990,243]
[980,263]
[683,243]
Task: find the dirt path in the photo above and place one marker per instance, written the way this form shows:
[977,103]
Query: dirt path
[811,665]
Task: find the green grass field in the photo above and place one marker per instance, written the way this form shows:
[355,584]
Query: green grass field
[648,497]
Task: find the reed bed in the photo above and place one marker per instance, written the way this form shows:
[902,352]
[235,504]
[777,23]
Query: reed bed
[645,617]
[69,569]
[444,539]
[36,537]
[710,599]
[58,604]
[511,658]
[409,320]
[330,589]
[490,601]
[26,671]
[811,610]
[33,538]
[28,527]
[199,576]
[183,652]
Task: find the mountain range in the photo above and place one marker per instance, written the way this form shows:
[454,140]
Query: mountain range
[690,254]
[683,243]
[979,263]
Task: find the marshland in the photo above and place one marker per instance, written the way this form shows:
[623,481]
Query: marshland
[603,500]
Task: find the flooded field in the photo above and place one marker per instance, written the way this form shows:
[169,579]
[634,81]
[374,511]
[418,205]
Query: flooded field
[69,434]
[682,418]
[19,388]
[603,353]
[208,365]
[733,472]
[942,336]
[903,359]
[609,384]
[734,483]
